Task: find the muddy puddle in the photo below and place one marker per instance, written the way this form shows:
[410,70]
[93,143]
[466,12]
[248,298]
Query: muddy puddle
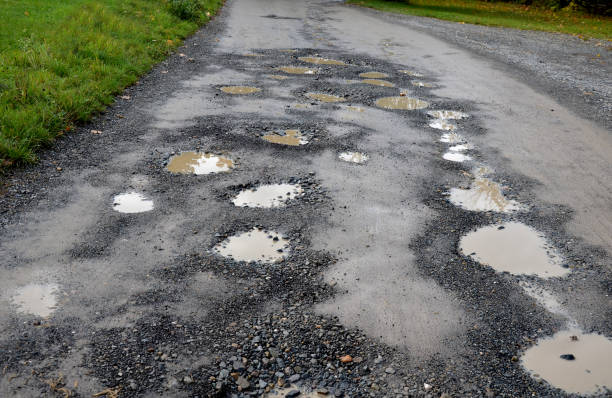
[254,245]
[411,73]
[321,61]
[325,97]
[354,157]
[240,89]
[451,138]
[297,70]
[291,137]
[36,299]
[483,195]
[132,202]
[403,103]
[378,82]
[447,115]
[373,75]
[456,157]
[422,84]
[278,77]
[513,247]
[442,124]
[199,163]
[268,196]
[571,360]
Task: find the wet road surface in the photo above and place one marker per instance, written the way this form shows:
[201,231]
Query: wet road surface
[298,203]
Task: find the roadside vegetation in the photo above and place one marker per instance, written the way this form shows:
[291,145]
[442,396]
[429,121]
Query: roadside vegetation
[570,19]
[62,61]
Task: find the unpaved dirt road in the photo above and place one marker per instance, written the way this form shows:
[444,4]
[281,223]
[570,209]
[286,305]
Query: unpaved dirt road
[408,252]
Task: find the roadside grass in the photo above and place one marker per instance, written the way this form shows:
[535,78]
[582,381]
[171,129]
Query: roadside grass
[500,14]
[63,61]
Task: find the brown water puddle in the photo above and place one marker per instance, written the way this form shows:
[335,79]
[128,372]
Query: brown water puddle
[373,75]
[297,70]
[377,82]
[483,195]
[36,299]
[291,137]
[411,73]
[321,61]
[199,163]
[442,124]
[354,157]
[268,196]
[240,89]
[355,108]
[278,77]
[132,202]
[254,245]
[325,97]
[447,115]
[513,247]
[403,103]
[586,365]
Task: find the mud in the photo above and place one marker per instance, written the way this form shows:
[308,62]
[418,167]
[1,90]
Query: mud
[377,82]
[291,138]
[373,75]
[403,103]
[240,90]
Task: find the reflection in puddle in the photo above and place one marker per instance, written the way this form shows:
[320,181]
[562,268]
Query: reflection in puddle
[325,97]
[586,369]
[377,82]
[405,103]
[447,114]
[273,195]
[483,195]
[291,137]
[254,245]
[513,247]
[354,157]
[297,70]
[199,163]
[373,75]
[278,77]
[456,157]
[451,138]
[321,61]
[132,202]
[422,84]
[460,148]
[37,299]
[239,89]
[442,124]
[412,73]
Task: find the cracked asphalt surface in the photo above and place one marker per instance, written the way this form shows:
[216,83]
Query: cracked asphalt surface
[143,307]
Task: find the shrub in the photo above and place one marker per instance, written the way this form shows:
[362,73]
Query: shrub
[190,10]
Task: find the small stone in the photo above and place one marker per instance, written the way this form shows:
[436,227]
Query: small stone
[568,357]
[187,380]
[358,359]
[514,358]
[294,378]
[322,391]
[427,387]
[390,371]
[243,383]
[346,359]
[292,393]
[378,360]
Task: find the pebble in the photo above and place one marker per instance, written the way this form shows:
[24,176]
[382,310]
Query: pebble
[390,371]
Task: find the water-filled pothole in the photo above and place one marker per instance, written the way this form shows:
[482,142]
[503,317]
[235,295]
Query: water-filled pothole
[240,89]
[456,157]
[254,245]
[443,114]
[37,299]
[404,103]
[355,108]
[132,202]
[483,195]
[422,84]
[291,137]
[373,75]
[354,157]
[442,124]
[576,362]
[451,138]
[278,77]
[267,196]
[460,147]
[297,70]
[199,163]
[411,73]
[378,82]
[513,247]
[325,97]
[321,61]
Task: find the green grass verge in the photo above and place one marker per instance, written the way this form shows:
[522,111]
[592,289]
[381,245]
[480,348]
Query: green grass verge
[62,61]
[500,14]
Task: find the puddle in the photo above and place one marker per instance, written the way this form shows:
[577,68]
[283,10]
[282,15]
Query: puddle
[273,195]
[240,89]
[132,202]
[373,75]
[405,103]
[447,114]
[199,163]
[321,61]
[301,106]
[354,157]
[277,77]
[451,138]
[377,82]
[254,245]
[544,298]
[588,372]
[456,157]
[460,148]
[422,84]
[516,248]
[483,195]
[411,73]
[37,299]
[325,97]
[291,137]
[355,108]
[442,124]
[297,70]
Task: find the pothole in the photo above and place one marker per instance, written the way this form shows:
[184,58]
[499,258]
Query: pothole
[404,103]
[321,61]
[297,70]
[456,157]
[451,138]
[355,108]
[254,245]
[325,97]
[199,163]
[132,202]
[291,137]
[240,89]
[442,124]
[268,196]
[573,361]
[378,82]
[37,299]
[443,114]
[373,75]
[354,157]
[411,73]
[483,195]
[278,77]
[460,148]
[422,84]
[513,247]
